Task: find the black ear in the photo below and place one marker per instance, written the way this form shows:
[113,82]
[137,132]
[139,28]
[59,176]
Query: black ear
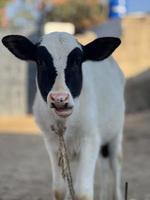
[20,46]
[100,48]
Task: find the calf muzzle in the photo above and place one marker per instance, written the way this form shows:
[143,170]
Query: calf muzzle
[60,104]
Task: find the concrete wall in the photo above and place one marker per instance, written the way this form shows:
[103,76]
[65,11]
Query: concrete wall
[17,79]
[133,54]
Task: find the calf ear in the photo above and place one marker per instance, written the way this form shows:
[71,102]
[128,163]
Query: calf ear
[100,48]
[20,46]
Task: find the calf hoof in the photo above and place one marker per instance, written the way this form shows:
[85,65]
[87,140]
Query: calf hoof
[80,198]
[58,195]
[83,198]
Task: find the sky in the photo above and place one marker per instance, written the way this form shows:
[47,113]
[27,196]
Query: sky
[138,5]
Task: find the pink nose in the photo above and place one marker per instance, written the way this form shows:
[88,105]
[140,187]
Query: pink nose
[59,97]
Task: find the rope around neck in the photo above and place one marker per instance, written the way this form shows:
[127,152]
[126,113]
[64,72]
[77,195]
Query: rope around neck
[63,160]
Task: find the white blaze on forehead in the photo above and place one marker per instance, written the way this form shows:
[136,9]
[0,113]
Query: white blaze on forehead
[59,45]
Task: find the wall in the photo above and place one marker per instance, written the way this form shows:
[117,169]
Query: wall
[133,54]
[17,79]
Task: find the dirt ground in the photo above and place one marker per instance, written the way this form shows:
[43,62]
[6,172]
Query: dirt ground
[25,169]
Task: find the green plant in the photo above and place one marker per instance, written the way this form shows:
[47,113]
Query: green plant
[3,3]
[82,14]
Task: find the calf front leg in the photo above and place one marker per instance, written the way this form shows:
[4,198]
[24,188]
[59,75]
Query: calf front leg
[58,182]
[116,164]
[84,181]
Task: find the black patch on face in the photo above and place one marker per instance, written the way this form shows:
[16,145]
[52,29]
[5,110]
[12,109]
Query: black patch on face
[73,72]
[104,151]
[46,72]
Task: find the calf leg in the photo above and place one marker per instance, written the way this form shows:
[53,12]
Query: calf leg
[116,165]
[58,182]
[104,177]
[84,181]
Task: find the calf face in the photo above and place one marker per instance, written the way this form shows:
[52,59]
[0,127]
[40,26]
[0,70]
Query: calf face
[59,59]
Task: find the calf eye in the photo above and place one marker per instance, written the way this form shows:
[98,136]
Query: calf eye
[78,60]
[40,62]
[75,58]
[74,64]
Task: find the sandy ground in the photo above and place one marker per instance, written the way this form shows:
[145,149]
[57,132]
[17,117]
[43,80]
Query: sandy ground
[25,169]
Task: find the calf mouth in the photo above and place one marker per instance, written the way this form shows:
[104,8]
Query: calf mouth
[62,110]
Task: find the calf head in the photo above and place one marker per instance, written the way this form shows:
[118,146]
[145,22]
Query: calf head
[59,59]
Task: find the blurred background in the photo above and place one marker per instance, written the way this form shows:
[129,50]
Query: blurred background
[21,148]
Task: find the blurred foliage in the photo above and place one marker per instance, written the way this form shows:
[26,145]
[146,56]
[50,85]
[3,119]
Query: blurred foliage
[82,14]
[2,3]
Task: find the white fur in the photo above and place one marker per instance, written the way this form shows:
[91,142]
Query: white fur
[97,118]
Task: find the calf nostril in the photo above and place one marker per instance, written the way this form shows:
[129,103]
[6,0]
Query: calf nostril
[67,97]
[59,98]
[52,98]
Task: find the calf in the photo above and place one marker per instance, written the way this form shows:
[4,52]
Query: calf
[81,88]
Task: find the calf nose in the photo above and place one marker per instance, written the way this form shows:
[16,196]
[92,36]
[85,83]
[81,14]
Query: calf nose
[59,97]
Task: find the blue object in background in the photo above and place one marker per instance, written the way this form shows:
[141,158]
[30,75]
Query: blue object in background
[138,6]
[117,8]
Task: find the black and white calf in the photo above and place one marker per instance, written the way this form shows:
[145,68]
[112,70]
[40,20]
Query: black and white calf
[82,88]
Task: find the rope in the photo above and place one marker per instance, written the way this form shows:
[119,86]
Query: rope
[63,160]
